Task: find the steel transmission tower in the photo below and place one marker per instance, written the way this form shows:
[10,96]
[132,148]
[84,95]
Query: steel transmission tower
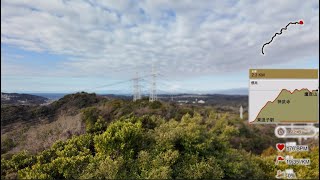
[153,90]
[136,88]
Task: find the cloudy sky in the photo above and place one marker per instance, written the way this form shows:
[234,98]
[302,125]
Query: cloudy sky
[67,46]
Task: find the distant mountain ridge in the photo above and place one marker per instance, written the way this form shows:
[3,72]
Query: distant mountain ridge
[233,91]
[41,98]
[22,99]
[122,93]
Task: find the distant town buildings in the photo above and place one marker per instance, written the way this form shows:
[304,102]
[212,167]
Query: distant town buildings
[183,101]
[23,101]
[193,102]
[49,101]
[6,96]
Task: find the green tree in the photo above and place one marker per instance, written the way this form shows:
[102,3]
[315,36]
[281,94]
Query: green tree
[121,138]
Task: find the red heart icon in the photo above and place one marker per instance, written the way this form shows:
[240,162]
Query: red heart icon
[280,158]
[280,146]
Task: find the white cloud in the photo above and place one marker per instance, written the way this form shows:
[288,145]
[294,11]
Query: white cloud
[184,38]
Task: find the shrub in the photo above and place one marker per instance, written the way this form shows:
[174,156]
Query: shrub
[120,138]
[155,105]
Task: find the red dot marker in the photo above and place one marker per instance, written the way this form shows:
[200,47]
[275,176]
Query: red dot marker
[301,22]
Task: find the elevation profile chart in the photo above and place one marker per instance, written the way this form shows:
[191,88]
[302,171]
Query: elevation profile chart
[287,96]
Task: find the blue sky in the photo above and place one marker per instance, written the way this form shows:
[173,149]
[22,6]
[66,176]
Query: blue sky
[70,46]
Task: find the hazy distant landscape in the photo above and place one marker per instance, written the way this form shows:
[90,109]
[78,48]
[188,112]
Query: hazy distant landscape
[238,91]
[208,99]
[113,132]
